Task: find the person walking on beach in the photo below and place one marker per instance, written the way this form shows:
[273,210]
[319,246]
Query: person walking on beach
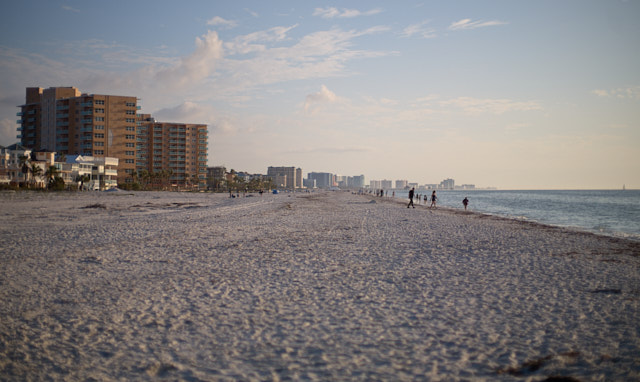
[411,198]
[465,203]
[433,199]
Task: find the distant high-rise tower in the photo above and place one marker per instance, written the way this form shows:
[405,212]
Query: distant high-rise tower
[287,177]
[179,148]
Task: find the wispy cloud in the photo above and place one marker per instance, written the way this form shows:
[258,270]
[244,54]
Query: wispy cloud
[490,105]
[70,9]
[257,41]
[629,92]
[420,30]
[275,59]
[252,13]
[469,24]
[331,12]
[219,21]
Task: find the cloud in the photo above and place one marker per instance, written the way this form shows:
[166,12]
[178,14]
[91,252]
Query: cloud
[192,112]
[197,66]
[331,12]
[273,58]
[8,131]
[323,96]
[70,9]
[489,105]
[468,24]
[420,30]
[330,150]
[629,92]
[256,42]
[219,21]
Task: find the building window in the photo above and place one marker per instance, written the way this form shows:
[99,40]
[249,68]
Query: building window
[98,135]
[131,128]
[130,120]
[99,119]
[131,112]
[98,152]
[129,144]
[99,127]
[99,102]
[129,161]
[99,110]
[130,104]
[129,153]
[129,136]
[98,143]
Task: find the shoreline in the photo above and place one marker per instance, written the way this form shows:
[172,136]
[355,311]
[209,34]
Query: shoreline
[326,286]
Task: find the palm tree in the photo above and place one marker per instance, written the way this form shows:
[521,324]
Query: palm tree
[24,166]
[51,174]
[82,179]
[36,171]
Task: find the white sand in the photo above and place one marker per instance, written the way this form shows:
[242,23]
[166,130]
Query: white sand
[323,286]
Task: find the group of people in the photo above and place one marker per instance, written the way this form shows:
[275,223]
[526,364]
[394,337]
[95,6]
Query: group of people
[434,198]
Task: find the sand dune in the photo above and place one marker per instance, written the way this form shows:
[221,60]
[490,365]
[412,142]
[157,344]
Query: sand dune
[321,286]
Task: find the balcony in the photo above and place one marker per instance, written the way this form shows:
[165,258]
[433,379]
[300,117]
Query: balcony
[87,120]
[86,112]
[19,114]
[86,129]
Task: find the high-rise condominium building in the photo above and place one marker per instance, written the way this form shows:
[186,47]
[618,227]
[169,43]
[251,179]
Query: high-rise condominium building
[65,121]
[323,179]
[286,177]
[177,148]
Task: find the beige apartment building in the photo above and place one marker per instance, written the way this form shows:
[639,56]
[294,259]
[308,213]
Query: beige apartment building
[177,148]
[66,121]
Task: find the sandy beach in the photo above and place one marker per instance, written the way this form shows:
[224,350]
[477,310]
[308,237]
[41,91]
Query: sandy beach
[306,286]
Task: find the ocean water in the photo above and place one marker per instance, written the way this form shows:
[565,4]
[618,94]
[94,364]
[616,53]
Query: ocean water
[608,212]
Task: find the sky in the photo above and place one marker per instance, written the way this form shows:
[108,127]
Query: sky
[509,94]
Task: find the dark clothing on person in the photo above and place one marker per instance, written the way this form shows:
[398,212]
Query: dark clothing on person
[411,199]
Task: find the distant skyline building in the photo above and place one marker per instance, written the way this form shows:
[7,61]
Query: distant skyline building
[448,184]
[322,179]
[286,177]
[386,184]
[401,184]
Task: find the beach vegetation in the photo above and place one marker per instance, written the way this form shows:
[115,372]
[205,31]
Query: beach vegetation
[36,172]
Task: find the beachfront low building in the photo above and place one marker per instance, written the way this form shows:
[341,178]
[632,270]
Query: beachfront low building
[90,173]
[22,166]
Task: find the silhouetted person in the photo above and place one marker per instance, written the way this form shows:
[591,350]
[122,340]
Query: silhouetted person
[433,199]
[411,199]
[465,203]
